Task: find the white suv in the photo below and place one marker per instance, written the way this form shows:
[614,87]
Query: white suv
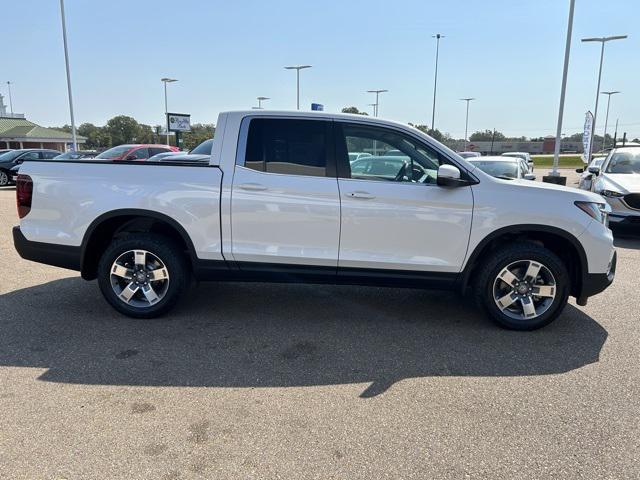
[617,178]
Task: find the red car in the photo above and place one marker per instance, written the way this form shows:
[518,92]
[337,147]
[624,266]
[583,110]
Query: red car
[135,152]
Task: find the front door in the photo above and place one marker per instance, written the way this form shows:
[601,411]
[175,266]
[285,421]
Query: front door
[394,215]
[285,207]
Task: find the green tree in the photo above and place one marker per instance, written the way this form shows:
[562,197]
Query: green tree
[145,134]
[353,110]
[435,134]
[487,136]
[123,129]
[198,134]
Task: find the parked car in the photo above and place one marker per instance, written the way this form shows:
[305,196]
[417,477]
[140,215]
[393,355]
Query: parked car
[469,154]
[200,154]
[508,168]
[278,201]
[159,156]
[523,155]
[353,156]
[617,179]
[586,176]
[15,157]
[135,152]
[71,155]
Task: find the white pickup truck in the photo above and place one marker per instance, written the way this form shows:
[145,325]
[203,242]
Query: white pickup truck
[279,200]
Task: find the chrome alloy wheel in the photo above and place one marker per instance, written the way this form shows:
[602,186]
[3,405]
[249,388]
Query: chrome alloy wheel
[524,289]
[4,179]
[139,278]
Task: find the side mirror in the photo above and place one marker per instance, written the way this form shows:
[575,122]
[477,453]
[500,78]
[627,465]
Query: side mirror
[449,176]
[529,176]
[131,157]
[579,170]
[594,170]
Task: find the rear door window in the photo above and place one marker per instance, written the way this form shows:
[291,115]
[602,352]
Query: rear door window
[286,146]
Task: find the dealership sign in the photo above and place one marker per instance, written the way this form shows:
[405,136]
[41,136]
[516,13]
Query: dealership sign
[179,122]
[586,137]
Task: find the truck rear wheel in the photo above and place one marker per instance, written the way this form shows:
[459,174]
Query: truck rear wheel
[142,275]
[522,286]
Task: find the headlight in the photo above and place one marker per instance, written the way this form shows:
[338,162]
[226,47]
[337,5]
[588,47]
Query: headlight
[611,194]
[598,211]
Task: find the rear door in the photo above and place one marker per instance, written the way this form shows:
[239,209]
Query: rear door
[285,206]
[394,215]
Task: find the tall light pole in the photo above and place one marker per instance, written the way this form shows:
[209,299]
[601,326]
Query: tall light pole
[166,80]
[297,68]
[66,60]
[602,40]
[606,118]
[374,108]
[377,92]
[260,100]
[437,36]
[563,89]
[466,123]
[10,99]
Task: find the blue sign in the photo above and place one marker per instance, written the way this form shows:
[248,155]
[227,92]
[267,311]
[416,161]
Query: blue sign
[318,107]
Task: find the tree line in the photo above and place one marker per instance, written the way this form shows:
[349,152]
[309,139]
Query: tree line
[123,129]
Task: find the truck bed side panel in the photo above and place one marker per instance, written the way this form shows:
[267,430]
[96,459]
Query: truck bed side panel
[68,197]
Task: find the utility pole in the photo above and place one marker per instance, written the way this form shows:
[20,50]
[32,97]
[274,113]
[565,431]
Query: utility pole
[66,60]
[377,92]
[466,123]
[555,176]
[606,118]
[10,99]
[297,68]
[437,36]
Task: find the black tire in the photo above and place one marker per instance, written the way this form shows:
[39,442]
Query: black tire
[488,271]
[5,178]
[170,253]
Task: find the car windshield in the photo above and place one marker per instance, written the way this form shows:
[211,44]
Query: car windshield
[114,152]
[497,168]
[624,162]
[204,148]
[10,155]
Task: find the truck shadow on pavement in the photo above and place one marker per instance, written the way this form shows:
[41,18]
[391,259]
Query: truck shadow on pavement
[265,335]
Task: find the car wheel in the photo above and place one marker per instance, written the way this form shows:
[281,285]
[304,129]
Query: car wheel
[4,178]
[522,286]
[143,275]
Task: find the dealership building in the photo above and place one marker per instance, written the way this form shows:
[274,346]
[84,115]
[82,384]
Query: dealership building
[18,132]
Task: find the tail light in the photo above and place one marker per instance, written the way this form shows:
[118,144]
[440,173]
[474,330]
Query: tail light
[24,193]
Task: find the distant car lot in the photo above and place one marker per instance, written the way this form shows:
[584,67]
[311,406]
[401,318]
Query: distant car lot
[293,381]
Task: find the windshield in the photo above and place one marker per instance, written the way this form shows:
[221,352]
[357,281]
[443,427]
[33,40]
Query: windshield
[204,148]
[114,152]
[497,168]
[9,155]
[624,162]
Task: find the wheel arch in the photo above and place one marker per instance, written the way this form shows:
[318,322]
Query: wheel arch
[560,242]
[108,225]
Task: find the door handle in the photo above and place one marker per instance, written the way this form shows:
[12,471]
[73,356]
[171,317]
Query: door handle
[360,194]
[254,187]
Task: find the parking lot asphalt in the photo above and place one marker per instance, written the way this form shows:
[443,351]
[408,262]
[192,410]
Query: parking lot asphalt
[260,381]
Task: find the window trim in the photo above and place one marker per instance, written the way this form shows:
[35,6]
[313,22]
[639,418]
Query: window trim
[243,137]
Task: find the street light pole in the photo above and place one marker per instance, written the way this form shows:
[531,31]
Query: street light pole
[606,118]
[466,123]
[297,68]
[166,80]
[10,99]
[602,40]
[377,92]
[66,60]
[437,36]
[567,51]
[260,100]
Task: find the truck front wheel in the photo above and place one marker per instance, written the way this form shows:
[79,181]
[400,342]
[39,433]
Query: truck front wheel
[142,275]
[522,286]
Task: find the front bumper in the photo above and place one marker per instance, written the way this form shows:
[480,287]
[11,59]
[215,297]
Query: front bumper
[594,283]
[63,256]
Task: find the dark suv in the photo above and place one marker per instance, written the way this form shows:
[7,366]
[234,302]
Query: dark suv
[10,159]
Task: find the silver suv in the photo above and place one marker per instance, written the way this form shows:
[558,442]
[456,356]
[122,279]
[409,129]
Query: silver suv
[618,180]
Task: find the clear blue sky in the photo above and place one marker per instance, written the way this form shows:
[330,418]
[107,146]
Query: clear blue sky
[506,53]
